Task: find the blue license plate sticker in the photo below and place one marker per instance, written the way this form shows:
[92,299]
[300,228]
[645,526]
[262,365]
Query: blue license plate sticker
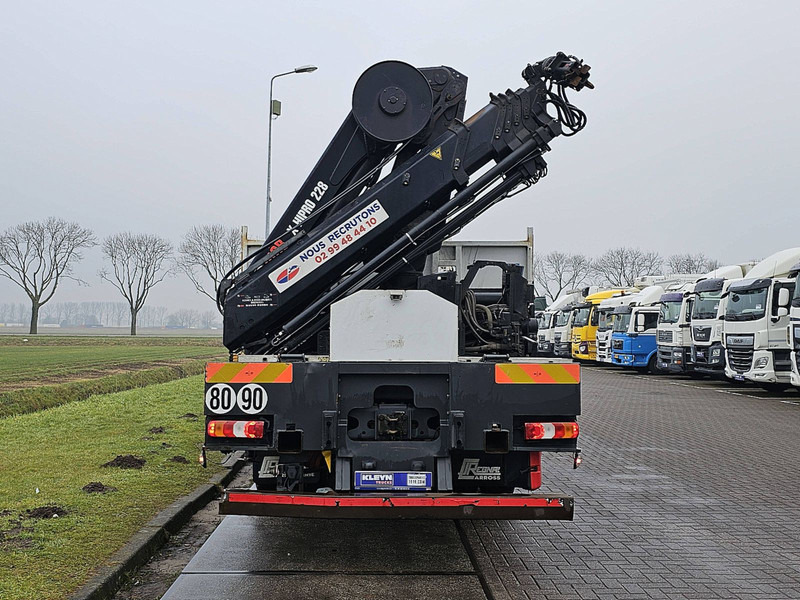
[393,480]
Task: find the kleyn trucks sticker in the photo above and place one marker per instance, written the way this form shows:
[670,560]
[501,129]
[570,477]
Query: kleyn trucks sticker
[328,246]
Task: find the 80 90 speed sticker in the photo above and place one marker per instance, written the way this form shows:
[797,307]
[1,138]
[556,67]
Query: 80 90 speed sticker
[221,398]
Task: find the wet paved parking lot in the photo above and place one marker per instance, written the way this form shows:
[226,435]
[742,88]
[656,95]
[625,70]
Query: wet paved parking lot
[689,489]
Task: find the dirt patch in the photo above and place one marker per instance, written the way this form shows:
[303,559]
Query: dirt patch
[179,459]
[48,511]
[10,538]
[126,461]
[190,416]
[165,445]
[157,430]
[96,487]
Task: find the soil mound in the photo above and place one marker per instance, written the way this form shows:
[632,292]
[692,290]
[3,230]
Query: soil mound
[126,461]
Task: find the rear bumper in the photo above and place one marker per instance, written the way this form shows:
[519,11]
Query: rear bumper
[386,506]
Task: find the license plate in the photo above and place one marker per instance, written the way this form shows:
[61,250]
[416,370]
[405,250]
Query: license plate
[739,377]
[393,480]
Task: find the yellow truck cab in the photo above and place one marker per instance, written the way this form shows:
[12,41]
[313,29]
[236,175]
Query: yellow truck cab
[584,326]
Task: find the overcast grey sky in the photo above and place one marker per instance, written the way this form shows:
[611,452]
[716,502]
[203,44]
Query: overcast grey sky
[151,116]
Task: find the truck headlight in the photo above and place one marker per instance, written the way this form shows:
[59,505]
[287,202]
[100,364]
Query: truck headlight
[761,362]
[715,352]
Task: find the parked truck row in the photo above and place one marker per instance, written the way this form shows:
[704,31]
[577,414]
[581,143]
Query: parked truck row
[739,321]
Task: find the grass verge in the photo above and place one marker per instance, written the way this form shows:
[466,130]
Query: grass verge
[60,450]
[31,399]
[46,361]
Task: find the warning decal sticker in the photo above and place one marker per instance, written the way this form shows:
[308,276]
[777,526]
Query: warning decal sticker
[231,372]
[328,246]
[537,373]
[437,154]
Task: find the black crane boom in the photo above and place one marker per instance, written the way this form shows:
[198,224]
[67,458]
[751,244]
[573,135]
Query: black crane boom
[352,227]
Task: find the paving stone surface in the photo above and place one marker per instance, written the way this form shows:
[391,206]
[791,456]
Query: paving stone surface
[688,490]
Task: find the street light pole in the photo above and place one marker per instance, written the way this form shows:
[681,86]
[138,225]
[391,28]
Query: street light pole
[274,115]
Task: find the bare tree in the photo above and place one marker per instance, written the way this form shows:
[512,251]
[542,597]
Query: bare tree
[137,265]
[207,253]
[210,319]
[556,271]
[620,267]
[37,255]
[691,263]
[185,317]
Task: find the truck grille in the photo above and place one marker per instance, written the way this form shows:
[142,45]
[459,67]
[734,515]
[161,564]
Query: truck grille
[665,355]
[616,344]
[740,359]
[558,338]
[664,337]
[701,334]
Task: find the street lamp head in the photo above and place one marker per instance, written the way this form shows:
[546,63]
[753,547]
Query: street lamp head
[305,69]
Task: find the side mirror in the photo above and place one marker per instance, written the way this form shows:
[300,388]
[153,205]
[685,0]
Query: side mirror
[783,298]
[640,322]
[782,311]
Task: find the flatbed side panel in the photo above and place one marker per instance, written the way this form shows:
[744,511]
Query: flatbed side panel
[434,506]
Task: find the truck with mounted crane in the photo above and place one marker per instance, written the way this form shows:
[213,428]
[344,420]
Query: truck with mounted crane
[361,387]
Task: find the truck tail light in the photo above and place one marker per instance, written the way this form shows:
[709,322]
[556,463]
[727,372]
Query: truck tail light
[551,431]
[236,429]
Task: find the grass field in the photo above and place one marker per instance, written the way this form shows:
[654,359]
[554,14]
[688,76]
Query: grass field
[60,450]
[44,360]
[45,371]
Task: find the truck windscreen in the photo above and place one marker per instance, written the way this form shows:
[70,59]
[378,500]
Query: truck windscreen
[706,305]
[796,298]
[562,318]
[582,316]
[670,312]
[605,319]
[747,305]
[621,322]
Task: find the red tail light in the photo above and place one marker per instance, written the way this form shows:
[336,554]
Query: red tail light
[236,429]
[551,431]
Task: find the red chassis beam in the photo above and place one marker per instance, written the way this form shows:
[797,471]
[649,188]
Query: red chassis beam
[382,506]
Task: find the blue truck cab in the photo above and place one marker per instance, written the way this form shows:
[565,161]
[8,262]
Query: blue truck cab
[633,341]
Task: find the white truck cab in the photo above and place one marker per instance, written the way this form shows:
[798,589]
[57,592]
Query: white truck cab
[756,332]
[708,311]
[605,324]
[562,331]
[547,322]
[673,335]
[794,317]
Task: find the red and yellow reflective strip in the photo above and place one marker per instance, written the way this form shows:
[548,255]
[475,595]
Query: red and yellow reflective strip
[537,373]
[228,372]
